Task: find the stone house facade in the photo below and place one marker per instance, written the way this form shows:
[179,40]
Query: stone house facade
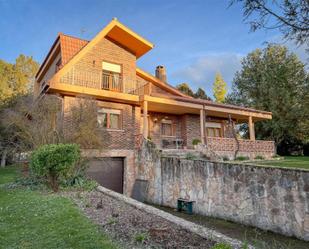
[133,104]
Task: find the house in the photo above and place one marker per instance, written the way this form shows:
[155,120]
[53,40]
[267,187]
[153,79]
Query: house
[133,104]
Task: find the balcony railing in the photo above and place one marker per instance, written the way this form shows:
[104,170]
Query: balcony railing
[103,80]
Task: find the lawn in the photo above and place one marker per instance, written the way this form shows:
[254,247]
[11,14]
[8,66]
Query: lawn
[289,162]
[8,174]
[31,219]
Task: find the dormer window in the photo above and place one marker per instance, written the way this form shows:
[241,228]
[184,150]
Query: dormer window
[111,77]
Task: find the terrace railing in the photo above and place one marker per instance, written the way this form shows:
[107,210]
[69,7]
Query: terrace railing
[103,80]
[230,145]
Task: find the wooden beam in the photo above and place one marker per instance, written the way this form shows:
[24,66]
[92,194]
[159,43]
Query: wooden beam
[251,129]
[202,124]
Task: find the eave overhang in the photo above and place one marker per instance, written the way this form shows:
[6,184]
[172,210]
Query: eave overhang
[128,39]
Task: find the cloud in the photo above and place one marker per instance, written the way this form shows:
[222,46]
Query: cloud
[201,72]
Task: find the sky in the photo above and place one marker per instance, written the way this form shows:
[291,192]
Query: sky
[193,39]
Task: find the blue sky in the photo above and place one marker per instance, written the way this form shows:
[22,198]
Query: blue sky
[193,39]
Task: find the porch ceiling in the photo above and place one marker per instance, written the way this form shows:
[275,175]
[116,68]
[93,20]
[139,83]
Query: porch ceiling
[171,106]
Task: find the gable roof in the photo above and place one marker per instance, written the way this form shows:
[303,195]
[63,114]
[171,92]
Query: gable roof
[72,48]
[67,45]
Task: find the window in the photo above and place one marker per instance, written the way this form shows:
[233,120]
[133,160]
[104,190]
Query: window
[213,132]
[109,119]
[168,128]
[213,129]
[111,77]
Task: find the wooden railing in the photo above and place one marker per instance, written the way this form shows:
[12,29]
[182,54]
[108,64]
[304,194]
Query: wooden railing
[103,80]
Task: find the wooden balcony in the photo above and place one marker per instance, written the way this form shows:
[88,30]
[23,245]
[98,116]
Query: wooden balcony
[100,80]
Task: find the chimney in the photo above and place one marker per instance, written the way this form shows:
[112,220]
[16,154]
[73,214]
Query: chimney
[161,73]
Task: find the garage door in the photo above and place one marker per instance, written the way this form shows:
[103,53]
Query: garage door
[108,172]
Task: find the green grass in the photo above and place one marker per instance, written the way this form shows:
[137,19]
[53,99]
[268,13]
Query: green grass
[289,162]
[31,219]
[8,174]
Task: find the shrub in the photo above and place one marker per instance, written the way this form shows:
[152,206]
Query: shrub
[53,161]
[221,246]
[242,158]
[259,157]
[141,237]
[190,156]
[196,141]
[226,158]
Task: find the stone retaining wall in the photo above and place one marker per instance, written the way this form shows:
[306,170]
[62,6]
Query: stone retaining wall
[269,198]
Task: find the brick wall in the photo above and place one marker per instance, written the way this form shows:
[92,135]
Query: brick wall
[191,129]
[155,127]
[87,71]
[226,147]
[111,139]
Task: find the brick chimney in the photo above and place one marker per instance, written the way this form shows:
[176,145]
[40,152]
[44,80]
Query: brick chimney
[161,73]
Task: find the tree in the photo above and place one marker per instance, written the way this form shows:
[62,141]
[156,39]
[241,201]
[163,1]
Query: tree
[291,17]
[219,88]
[16,79]
[273,79]
[185,88]
[200,94]
[84,125]
[26,124]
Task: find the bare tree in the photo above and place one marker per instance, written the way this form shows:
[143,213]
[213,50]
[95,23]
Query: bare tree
[81,125]
[27,124]
[291,17]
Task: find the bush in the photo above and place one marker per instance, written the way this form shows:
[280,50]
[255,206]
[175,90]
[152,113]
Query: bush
[196,141]
[226,158]
[259,157]
[306,149]
[53,161]
[242,158]
[190,156]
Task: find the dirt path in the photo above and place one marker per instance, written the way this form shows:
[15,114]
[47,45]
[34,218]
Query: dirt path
[133,228]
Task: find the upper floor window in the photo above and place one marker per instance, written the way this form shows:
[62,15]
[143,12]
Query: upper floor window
[109,118]
[111,77]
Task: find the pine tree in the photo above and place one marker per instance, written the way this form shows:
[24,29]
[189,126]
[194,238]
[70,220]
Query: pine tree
[219,88]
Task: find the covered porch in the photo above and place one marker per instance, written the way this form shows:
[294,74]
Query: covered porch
[179,123]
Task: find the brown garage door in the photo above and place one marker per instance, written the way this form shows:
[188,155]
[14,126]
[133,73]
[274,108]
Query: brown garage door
[108,172]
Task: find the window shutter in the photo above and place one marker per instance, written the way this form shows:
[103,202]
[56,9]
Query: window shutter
[111,67]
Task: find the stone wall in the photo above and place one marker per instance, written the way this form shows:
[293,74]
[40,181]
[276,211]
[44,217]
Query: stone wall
[272,199]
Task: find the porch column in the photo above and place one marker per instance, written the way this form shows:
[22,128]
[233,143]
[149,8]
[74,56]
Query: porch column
[202,124]
[251,129]
[145,119]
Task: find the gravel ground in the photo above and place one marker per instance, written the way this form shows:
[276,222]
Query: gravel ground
[133,228]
